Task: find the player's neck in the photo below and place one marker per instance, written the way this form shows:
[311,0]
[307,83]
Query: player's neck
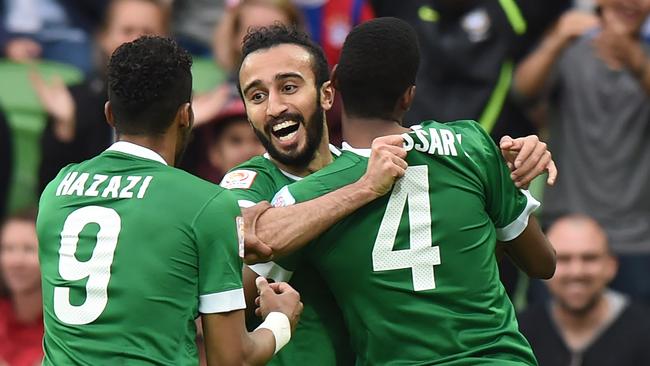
[360,132]
[27,305]
[322,157]
[162,145]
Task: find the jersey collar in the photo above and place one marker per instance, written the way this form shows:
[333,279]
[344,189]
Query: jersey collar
[333,149]
[366,152]
[136,150]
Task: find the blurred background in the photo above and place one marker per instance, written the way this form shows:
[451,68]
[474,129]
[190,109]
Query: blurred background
[577,73]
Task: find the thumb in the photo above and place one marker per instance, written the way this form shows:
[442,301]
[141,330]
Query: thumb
[262,284]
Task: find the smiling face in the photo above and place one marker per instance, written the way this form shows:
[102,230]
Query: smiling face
[283,103]
[584,264]
[625,16]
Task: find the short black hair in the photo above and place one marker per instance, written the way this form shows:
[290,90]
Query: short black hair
[379,62]
[148,80]
[262,38]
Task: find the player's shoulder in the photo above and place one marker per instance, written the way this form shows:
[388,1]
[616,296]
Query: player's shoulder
[253,171]
[345,161]
[465,127]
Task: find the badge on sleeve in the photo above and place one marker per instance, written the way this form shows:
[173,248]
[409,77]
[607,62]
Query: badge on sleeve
[240,234]
[239,179]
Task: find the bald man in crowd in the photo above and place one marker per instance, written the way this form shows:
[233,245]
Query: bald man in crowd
[585,323]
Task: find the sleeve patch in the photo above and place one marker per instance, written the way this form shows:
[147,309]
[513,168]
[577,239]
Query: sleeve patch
[283,198]
[239,179]
[240,235]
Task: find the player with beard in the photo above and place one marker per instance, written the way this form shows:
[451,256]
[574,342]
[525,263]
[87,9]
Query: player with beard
[133,249]
[414,272]
[284,83]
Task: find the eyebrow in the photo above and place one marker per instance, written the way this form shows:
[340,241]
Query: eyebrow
[283,76]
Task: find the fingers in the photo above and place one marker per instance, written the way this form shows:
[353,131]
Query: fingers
[535,171]
[506,142]
[256,251]
[527,146]
[282,287]
[552,173]
[529,162]
[394,140]
[262,285]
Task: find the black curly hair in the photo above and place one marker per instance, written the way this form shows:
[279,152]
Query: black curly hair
[378,63]
[262,38]
[148,80]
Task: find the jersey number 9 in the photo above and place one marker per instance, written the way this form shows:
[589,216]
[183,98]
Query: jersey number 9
[97,269]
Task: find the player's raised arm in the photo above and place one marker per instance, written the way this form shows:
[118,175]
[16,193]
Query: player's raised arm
[305,221]
[229,343]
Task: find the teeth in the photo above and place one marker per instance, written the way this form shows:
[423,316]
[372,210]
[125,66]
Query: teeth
[284,124]
[288,137]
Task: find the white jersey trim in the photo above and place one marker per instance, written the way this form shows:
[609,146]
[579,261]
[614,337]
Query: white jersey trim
[245,203]
[362,152]
[272,270]
[136,150]
[222,302]
[515,228]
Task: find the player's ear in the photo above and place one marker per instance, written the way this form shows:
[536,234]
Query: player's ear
[185,115]
[108,112]
[407,98]
[326,95]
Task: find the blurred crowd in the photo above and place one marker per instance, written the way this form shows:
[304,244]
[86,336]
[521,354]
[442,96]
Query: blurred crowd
[575,72]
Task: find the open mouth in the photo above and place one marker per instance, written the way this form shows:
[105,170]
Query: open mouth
[285,131]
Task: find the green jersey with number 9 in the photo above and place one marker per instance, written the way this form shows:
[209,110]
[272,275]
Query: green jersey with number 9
[414,272]
[131,250]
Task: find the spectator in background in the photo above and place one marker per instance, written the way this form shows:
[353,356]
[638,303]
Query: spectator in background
[193,24]
[6,164]
[469,49]
[585,323]
[228,38]
[21,314]
[225,142]
[597,84]
[58,30]
[330,21]
[247,14]
[77,128]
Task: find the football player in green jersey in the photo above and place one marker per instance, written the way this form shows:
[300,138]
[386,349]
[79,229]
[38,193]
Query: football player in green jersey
[132,250]
[280,64]
[387,263]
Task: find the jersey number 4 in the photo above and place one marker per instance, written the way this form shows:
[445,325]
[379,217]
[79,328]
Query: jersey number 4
[421,257]
[97,269]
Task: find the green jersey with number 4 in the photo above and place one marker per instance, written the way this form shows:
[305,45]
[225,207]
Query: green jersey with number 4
[131,250]
[414,271]
[320,338]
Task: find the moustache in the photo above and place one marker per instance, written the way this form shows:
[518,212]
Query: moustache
[283,118]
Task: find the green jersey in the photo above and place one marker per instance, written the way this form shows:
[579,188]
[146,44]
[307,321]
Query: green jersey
[131,250]
[415,271]
[320,338]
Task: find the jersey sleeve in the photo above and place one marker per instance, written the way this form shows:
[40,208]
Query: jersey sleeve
[219,235]
[347,169]
[507,206]
[249,185]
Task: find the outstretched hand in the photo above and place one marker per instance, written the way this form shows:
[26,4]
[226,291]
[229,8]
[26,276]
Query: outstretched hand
[527,157]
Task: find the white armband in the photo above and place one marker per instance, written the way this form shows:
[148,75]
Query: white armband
[279,325]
